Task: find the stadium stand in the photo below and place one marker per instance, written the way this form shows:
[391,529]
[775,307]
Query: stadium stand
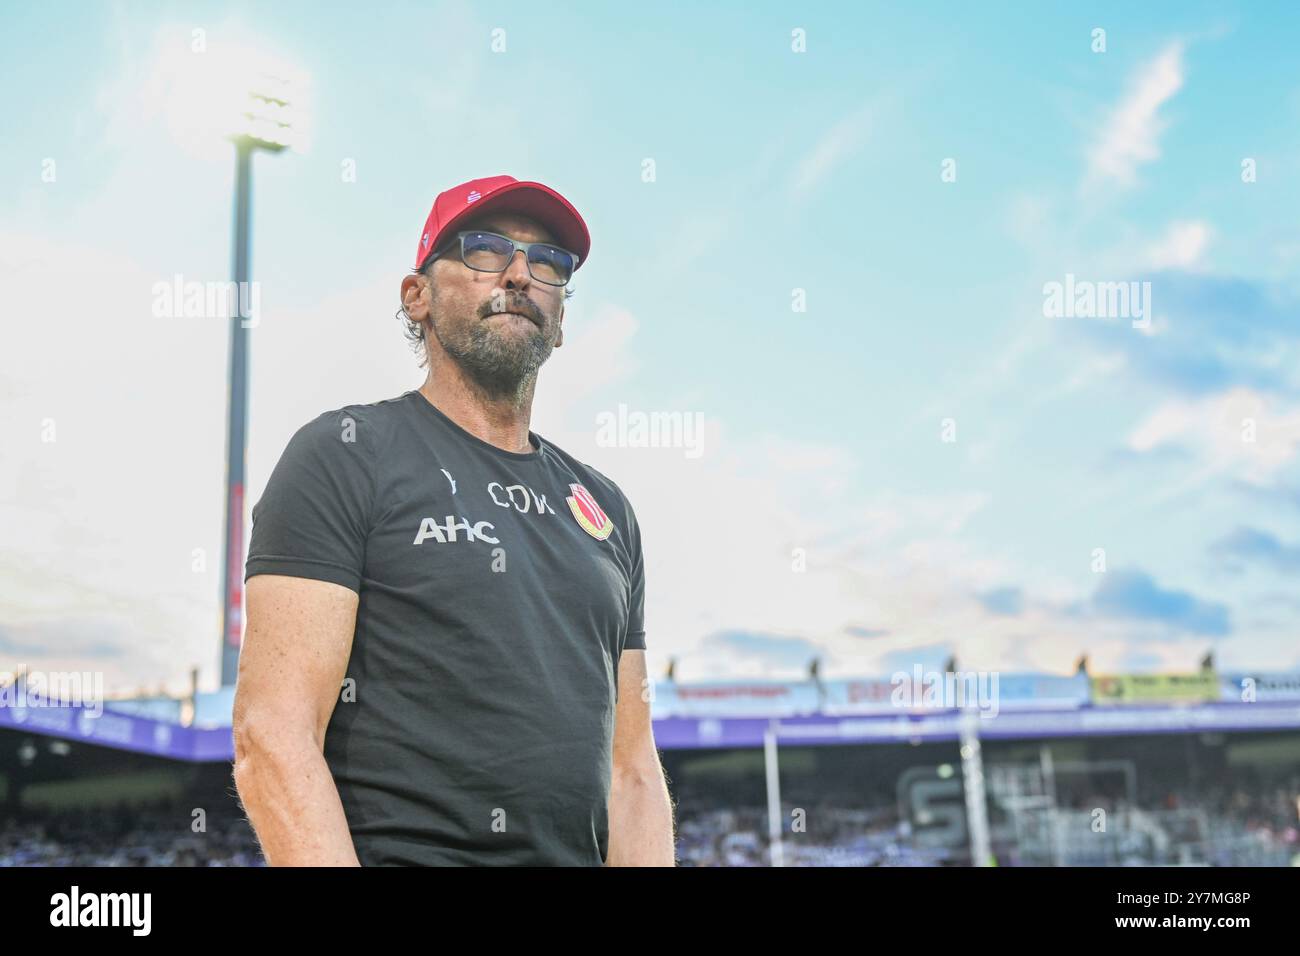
[1078,772]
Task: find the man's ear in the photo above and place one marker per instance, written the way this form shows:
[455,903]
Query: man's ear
[559,334]
[413,297]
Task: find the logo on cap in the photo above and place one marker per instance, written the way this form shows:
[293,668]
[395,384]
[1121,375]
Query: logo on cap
[588,514]
[474,194]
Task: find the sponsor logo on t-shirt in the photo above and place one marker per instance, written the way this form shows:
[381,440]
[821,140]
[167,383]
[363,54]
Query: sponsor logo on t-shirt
[449,533]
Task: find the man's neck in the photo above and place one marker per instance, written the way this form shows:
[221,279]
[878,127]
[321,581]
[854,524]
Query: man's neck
[502,422]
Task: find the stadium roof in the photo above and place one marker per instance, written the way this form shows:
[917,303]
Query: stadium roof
[159,738]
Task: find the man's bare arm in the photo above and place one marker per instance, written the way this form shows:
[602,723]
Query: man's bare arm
[291,668]
[640,810]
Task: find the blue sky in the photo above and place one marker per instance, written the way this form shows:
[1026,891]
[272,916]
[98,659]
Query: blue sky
[775,171]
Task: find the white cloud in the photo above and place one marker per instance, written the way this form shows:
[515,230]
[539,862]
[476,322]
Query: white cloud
[1088,372]
[102,522]
[1131,133]
[835,146]
[1182,246]
[597,352]
[1239,433]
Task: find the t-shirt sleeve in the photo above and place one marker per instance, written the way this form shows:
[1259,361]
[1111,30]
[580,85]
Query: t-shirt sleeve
[635,637]
[314,515]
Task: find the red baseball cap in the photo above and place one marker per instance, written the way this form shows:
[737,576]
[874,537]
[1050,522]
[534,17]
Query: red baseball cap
[504,193]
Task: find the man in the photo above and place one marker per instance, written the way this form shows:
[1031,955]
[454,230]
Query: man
[444,656]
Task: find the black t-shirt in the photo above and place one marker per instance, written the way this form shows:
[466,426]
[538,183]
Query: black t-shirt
[497,591]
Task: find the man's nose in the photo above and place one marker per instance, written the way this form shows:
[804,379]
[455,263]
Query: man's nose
[516,273]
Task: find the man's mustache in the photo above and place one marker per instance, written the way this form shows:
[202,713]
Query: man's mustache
[522,307]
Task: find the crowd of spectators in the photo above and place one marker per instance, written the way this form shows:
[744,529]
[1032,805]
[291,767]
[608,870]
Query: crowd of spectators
[1225,824]
[152,835]
[1215,825]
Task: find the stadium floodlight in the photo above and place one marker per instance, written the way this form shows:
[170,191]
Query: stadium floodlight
[269,114]
[266,116]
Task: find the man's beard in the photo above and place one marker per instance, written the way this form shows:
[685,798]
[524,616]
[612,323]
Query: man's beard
[499,361]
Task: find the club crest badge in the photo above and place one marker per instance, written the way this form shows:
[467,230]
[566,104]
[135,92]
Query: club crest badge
[588,514]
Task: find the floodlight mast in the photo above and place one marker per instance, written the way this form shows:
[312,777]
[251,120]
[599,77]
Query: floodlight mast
[265,123]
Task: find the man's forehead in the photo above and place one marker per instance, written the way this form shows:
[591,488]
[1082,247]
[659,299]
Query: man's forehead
[513,225]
